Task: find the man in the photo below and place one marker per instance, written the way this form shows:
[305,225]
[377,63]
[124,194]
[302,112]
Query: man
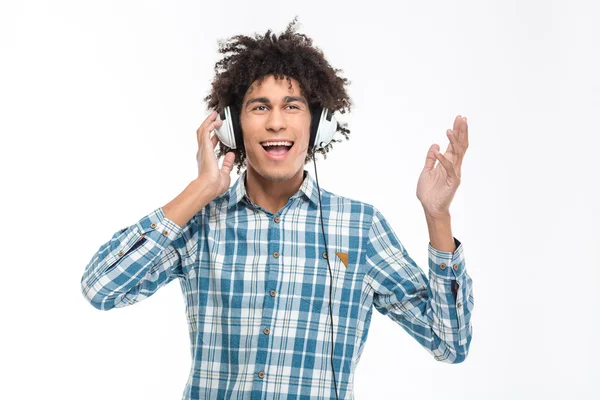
[259,279]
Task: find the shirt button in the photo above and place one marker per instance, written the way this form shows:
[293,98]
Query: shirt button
[165,232]
[455,266]
[153,225]
[266,331]
[272,293]
[120,254]
[261,374]
[443,266]
[276,255]
[324,254]
[277,220]
[459,305]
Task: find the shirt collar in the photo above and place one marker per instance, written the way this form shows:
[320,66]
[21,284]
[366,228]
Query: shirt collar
[308,190]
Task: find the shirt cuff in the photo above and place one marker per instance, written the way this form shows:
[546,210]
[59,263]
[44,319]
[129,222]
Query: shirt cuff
[446,264]
[158,227]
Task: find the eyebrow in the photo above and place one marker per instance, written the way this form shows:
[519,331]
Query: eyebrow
[286,99]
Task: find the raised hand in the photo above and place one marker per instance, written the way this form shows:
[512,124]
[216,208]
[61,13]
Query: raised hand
[437,185]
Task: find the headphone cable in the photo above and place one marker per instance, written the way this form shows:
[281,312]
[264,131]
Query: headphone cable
[330,277]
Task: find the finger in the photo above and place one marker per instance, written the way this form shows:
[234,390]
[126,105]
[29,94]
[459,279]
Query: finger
[448,166]
[214,139]
[456,150]
[210,118]
[459,148]
[457,122]
[431,158]
[205,134]
[455,145]
[450,148]
[465,136]
[456,126]
[461,133]
[207,121]
[228,162]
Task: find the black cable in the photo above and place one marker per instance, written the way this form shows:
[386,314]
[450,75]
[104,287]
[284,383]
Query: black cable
[330,278]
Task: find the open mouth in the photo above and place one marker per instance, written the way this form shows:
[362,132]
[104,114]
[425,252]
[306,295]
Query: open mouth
[277,149]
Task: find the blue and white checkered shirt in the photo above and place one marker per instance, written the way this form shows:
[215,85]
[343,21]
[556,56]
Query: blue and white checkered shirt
[256,288]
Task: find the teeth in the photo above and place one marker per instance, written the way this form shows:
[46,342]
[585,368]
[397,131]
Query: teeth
[265,144]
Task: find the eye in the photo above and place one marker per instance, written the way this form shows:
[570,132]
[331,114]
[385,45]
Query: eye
[289,105]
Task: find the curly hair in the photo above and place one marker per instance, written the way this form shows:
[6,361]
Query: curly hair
[291,55]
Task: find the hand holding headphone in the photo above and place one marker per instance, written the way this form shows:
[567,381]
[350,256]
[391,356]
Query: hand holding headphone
[323,126]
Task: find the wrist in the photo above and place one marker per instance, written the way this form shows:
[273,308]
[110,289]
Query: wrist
[201,191]
[187,204]
[440,232]
[438,219]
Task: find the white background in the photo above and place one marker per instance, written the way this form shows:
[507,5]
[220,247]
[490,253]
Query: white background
[99,105]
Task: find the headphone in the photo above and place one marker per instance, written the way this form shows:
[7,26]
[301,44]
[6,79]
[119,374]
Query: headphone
[323,126]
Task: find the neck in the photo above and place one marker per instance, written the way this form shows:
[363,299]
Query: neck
[271,195]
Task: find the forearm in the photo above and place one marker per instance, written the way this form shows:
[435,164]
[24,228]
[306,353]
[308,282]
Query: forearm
[436,312]
[440,233]
[117,275]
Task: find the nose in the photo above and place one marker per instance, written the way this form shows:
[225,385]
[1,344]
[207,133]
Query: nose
[276,120]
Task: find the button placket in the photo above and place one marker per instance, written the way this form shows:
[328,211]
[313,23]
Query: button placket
[274,248]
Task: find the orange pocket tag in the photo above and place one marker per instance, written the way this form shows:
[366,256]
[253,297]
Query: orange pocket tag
[343,257]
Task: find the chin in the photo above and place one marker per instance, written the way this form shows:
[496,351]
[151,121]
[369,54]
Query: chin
[276,174]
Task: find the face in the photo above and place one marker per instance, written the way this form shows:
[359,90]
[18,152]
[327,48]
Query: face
[272,112]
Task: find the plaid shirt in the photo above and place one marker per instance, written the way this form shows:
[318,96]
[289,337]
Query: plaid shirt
[256,288]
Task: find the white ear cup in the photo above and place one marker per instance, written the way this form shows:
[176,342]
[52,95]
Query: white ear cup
[327,129]
[225,131]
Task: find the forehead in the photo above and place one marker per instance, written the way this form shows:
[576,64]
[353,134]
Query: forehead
[274,87]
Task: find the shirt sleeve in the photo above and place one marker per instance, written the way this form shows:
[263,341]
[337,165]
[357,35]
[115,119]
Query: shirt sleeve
[435,311]
[136,262]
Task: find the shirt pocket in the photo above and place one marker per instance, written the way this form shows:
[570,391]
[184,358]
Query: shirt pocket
[346,281]
[315,285]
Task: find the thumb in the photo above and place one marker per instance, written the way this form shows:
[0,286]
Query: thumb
[228,162]
[431,158]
